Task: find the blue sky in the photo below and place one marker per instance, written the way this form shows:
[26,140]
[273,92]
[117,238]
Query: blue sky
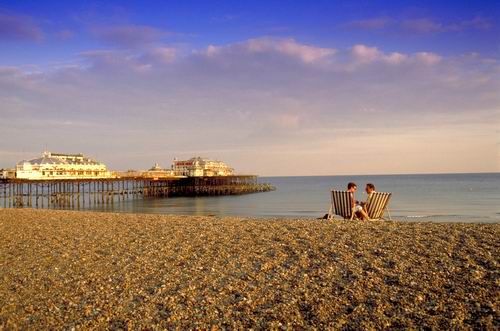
[272,87]
[448,27]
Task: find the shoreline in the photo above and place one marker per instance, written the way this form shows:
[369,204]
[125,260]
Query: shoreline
[86,269]
[434,218]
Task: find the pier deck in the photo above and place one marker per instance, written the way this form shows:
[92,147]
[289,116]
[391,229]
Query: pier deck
[83,193]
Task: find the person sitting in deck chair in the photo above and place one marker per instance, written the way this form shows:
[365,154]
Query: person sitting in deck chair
[358,208]
[369,189]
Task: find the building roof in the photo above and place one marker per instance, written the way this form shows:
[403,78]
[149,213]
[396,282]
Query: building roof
[156,167]
[44,160]
[48,158]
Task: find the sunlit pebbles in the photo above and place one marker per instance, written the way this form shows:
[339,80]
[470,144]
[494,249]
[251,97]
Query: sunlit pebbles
[64,270]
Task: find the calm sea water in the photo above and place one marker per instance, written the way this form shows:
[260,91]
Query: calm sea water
[443,197]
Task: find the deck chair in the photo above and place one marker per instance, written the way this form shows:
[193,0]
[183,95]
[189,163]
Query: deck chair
[341,205]
[377,205]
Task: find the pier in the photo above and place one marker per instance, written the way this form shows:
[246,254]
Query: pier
[85,193]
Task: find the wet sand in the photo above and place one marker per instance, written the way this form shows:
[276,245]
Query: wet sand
[64,270]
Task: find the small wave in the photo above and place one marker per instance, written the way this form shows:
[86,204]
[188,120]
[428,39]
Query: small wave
[305,211]
[450,218]
[438,216]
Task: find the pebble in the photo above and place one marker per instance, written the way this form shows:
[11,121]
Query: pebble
[84,270]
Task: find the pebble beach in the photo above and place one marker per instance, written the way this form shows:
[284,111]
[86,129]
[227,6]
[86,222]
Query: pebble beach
[87,270]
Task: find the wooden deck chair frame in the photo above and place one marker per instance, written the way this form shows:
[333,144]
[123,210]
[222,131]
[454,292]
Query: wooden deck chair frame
[377,205]
[341,205]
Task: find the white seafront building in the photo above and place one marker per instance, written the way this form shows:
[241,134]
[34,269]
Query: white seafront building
[61,166]
[158,172]
[7,173]
[155,172]
[200,167]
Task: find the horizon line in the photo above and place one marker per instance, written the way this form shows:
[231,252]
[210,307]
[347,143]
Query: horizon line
[394,174]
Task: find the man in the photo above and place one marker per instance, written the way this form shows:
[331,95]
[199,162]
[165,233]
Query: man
[369,189]
[358,208]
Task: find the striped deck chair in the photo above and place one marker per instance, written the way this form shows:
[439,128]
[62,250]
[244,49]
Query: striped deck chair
[341,205]
[377,205]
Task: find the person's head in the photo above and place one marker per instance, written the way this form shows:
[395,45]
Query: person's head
[369,188]
[352,187]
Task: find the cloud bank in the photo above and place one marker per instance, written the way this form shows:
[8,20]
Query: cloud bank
[273,106]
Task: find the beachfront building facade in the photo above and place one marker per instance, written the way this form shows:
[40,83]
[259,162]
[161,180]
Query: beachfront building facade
[200,167]
[158,172]
[61,166]
[155,172]
[7,173]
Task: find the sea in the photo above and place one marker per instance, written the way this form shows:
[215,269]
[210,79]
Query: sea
[434,198]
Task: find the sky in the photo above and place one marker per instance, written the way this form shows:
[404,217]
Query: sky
[274,88]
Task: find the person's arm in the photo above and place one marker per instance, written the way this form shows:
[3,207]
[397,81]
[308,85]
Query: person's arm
[369,197]
[364,203]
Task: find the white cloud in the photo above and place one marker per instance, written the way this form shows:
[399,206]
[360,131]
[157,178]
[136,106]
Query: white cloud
[288,47]
[213,50]
[365,54]
[396,58]
[428,58]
